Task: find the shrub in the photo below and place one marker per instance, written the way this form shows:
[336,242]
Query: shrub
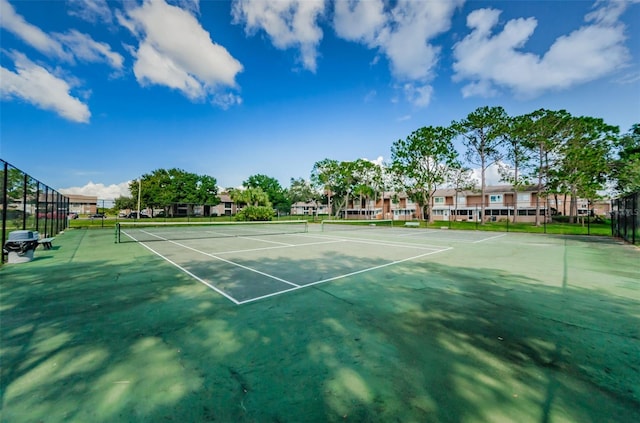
[254,213]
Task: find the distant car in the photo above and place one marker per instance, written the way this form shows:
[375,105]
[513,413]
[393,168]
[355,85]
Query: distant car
[97,216]
[134,215]
[72,215]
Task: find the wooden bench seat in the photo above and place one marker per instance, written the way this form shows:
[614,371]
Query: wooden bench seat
[411,223]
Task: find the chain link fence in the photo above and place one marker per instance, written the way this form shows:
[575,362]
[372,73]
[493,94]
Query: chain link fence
[625,219]
[28,204]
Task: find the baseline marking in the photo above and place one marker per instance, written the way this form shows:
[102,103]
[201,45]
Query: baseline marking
[381,243]
[487,239]
[279,247]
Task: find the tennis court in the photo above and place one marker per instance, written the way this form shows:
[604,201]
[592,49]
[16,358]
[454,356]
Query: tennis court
[249,262]
[321,324]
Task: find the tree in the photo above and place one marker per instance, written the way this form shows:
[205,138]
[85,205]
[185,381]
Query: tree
[364,180]
[625,170]
[273,189]
[122,203]
[338,179]
[250,196]
[256,201]
[481,133]
[163,188]
[545,131]
[461,179]
[584,158]
[301,190]
[517,157]
[324,176]
[422,161]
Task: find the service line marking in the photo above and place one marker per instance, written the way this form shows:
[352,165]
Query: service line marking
[487,239]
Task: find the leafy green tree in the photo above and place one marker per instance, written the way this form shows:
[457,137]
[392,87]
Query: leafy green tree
[277,195]
[163,188]
[517,156]
[301,190]
[544,131]
[250,196]
[256,204]
[625,170]
[423,161]
[584,159]
[482,131]
[324,177]
[339,179]
[461,179]
[122,203]
[364,187]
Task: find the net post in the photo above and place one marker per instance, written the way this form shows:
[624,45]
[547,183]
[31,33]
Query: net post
[117,233]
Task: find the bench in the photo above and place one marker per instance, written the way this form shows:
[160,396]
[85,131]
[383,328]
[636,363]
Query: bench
[415,224]
[46,243]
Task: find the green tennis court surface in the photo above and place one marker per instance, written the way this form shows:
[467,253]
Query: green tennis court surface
[379,324]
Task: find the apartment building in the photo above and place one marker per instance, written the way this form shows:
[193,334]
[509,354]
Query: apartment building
[500,203]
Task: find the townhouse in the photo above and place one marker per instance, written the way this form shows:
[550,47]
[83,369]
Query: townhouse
[500,202]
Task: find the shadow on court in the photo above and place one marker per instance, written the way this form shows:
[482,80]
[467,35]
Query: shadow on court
[100,332]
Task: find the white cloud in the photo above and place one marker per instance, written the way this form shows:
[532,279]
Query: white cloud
[403,34]
[38,86]
[371,95]
[226,100]
[87,49]
[480,88]
[492,175]
[91,10]
[103,192]
[191,5]
[359,21]
[66,47]
[30,34]
[379,161]
[490,59]
[418,95]
[177,52]
[289,24]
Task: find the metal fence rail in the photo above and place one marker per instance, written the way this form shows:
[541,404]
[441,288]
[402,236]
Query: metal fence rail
[28,204]
[625,219]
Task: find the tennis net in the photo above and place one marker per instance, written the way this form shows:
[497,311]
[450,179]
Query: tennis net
[353,225]
[165,231]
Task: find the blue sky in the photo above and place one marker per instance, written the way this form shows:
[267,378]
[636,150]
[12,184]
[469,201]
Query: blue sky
[96,93]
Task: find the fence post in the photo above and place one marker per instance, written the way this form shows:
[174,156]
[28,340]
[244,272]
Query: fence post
[634,216]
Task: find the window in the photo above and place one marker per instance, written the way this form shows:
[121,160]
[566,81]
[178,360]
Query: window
[438,200]
[496,198]
[462,200]
[524,197]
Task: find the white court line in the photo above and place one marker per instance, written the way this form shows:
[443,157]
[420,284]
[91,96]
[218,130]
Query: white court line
[344,276]
[487,239]
[381,243]
[224,260]
[279,247]
[266,241]
[294,286]
[224,294]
